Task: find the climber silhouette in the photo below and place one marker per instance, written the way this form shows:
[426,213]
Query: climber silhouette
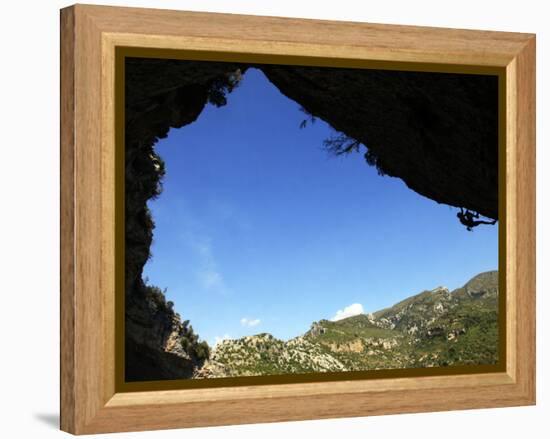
[470,219]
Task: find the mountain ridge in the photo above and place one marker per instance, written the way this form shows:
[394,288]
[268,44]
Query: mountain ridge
[432,328]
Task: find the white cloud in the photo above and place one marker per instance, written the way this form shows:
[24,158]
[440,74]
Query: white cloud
[349,311]
[250,322]
[218,339]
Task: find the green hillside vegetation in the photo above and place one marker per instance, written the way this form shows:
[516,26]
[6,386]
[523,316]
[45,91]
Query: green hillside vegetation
[433,328]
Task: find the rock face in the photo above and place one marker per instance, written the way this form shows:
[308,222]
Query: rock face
[159,95]
[153,348]
[436,132]
[433,328]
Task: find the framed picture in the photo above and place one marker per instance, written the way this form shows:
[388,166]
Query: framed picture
[267,219]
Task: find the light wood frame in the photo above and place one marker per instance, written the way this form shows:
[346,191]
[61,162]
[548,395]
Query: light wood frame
[89,36]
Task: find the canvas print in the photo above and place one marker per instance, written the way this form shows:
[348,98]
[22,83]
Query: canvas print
[288,219]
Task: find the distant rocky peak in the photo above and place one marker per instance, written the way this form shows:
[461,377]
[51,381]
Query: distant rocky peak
[441,289]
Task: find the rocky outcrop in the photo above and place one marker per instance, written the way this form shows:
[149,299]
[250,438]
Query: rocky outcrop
[154,335]
[316,329]
[263,354]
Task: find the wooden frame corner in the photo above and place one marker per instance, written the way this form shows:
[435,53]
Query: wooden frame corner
[89,38]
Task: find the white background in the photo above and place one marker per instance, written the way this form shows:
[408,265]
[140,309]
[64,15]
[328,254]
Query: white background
[29,219]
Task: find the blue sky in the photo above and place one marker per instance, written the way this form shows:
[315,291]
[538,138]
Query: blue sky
[259,229]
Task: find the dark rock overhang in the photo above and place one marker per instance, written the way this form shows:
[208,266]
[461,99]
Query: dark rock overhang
[438,132]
